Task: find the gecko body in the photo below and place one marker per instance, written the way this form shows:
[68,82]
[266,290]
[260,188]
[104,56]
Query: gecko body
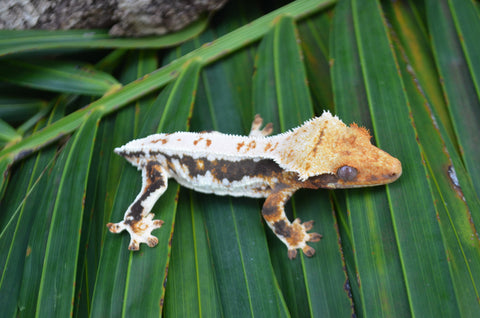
[322,153]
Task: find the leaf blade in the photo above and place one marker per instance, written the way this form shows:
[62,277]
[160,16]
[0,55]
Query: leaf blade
[461,92]
[58,76]
[411,212]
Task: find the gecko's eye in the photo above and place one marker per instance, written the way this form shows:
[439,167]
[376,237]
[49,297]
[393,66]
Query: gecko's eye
[347,173]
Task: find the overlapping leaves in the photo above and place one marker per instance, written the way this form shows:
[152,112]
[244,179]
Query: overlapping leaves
[409,248]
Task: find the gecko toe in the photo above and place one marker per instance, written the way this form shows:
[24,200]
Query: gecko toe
[140,231]
[308,225]
[115,227]
[257,122]
[157,224]
[308,251]
[268,129]
[315,237]
[134,246]
[149,216]
[292,253]
[152,241]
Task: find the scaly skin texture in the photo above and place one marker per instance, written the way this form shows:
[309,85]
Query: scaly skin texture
[322,153]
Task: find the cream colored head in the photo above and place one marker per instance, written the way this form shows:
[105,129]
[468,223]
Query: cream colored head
[325,145]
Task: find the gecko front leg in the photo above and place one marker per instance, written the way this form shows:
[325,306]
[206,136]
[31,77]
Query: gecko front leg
[294,235]
[138,220]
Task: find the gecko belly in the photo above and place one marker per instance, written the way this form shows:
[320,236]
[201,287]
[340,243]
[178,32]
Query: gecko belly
[247,187]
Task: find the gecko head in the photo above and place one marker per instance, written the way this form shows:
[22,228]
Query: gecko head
[330,154]
[357,163]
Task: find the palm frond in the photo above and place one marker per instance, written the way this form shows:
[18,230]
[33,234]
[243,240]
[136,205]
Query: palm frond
[406,70]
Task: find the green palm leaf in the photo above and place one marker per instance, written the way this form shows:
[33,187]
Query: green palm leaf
[407,71]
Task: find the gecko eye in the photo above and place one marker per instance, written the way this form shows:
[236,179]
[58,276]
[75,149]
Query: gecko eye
[347,173]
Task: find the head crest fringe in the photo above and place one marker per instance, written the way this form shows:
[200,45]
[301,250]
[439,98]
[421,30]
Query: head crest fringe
[310,149]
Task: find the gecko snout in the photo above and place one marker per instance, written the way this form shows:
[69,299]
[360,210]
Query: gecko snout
[395,170]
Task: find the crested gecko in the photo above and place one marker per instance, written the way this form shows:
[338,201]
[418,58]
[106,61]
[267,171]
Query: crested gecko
[322,153]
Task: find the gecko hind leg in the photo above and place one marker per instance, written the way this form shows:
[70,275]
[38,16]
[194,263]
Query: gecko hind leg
[256,124]
[138,220]
[294,234]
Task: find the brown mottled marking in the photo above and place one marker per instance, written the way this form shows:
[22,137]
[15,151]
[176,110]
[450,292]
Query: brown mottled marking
[321,181]
[270,210]
[293,234]
[154,181]
[138,220]
[209,142]
[132,154]
[318,142]
[240,145]
[162,140]
[283,229]
[195,142]
[225,169]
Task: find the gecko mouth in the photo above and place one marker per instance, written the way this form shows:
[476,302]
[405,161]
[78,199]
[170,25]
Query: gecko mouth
[385,178]
[348,178]
[393,176]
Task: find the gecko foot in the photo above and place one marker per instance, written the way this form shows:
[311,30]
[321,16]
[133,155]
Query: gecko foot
[307,250]
[140,231]
[256,124]
[301,238]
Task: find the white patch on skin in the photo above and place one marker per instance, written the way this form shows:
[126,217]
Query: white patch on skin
[208,184]
[180,170]
[204,181]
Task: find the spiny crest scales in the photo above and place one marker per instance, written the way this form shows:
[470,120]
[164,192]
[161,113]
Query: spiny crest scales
[312,149]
